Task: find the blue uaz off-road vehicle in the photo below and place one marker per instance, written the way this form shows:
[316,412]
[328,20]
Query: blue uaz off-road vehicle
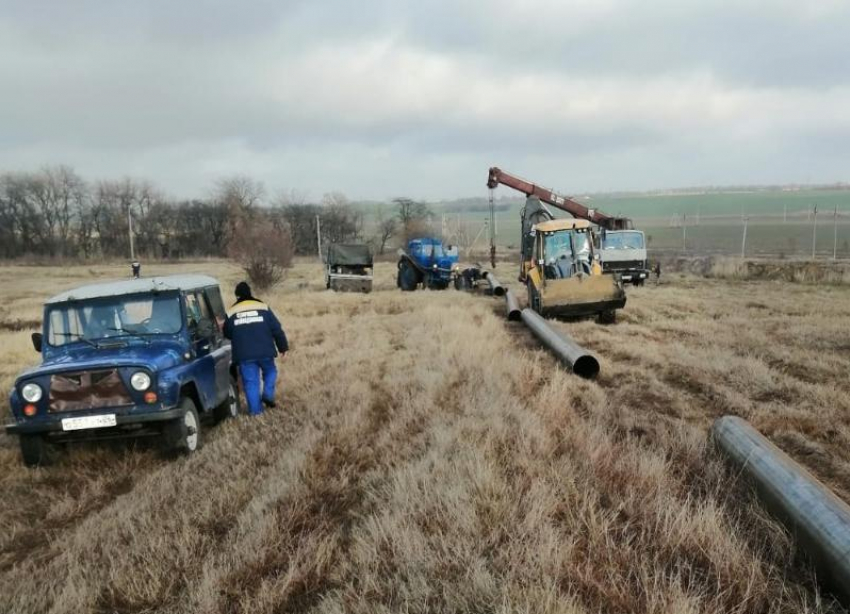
[127,358]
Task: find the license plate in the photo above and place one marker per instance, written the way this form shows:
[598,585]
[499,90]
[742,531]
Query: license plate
[88,422]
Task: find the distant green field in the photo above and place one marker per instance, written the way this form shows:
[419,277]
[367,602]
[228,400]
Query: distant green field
[713,221]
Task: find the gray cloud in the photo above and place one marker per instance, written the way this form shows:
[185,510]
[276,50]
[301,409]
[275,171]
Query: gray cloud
[382,98]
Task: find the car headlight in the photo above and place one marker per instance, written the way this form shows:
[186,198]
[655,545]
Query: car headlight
[32,393]
[140,381]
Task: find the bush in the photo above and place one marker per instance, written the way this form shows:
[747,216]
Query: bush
[264,251]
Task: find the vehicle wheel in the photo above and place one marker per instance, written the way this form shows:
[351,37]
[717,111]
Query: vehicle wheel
[608,317]
[34,450]
[231,406]
[533,298]
[184,434]
[408,276]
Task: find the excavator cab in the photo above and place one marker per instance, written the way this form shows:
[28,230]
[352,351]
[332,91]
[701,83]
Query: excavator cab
[561,269]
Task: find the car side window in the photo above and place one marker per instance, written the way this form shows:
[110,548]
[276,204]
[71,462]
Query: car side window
[193,310]
[214,297]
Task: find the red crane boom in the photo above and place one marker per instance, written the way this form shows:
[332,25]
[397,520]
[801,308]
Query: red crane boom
[564,203]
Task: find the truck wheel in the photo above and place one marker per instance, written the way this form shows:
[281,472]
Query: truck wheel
[231,406]
[184,434]
[34,450]
[408,276]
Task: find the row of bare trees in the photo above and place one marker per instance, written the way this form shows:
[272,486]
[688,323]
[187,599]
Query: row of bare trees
[55,213]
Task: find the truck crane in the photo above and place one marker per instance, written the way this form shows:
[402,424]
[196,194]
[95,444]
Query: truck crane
[565,203]
[622,249]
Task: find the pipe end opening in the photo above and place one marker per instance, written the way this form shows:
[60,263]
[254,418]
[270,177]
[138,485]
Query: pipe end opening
[586,366]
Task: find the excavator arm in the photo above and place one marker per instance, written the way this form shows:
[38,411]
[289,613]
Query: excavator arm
[564,203]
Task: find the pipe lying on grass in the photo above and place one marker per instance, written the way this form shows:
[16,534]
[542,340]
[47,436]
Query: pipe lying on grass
[512,307]
[819,520]
[571,354]
[495,287]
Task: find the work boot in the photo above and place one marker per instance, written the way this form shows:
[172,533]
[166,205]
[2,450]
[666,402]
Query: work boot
[269,403]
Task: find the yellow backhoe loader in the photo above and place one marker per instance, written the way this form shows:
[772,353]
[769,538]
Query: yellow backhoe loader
[561,269]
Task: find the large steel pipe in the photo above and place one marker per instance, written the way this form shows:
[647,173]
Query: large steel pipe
[819,520]
[571,354]
[495,287]
[512,307]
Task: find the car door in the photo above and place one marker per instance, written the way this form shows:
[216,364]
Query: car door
[205,336]
[220,347]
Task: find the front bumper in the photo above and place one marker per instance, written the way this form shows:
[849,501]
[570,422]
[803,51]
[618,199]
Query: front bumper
[25,427]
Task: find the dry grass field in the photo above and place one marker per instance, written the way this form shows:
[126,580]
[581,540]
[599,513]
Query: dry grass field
[428,456]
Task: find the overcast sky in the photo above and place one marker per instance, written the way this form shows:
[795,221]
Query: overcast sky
[384,98]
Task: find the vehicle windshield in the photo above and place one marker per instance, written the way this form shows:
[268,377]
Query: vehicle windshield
[114,316]
[623,240]
[433,250]
[557,244]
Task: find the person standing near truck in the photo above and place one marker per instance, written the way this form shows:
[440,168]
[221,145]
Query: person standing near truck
[256,338]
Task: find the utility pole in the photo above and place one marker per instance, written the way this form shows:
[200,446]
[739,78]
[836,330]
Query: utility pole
[744,240]
[492,231]
[130,232]
[814,230]
[319,237]
[835,233]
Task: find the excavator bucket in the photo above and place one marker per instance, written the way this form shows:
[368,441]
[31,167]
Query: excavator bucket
[582,295]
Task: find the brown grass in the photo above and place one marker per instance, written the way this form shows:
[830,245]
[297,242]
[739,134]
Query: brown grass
[428,456]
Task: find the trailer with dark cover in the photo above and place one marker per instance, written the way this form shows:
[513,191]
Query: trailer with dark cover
[348,268]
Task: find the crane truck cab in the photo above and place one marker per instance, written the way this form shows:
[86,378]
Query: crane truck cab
[624,252]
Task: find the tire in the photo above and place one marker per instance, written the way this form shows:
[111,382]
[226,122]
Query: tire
[231,406]
[183,435]
[608,317]
[35,450]
[408,277]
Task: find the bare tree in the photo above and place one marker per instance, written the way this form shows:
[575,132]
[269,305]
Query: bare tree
[240,196]
[69,193]
[301,218]
[387,228]
[264,252]
[412,215]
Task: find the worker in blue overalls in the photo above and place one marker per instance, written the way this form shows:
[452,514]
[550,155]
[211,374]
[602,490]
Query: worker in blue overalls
[256,338]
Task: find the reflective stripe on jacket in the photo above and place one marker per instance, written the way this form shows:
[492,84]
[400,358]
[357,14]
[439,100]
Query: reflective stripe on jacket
[254,331]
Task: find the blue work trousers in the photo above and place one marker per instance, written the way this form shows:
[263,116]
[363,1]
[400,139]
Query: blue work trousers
[250,372]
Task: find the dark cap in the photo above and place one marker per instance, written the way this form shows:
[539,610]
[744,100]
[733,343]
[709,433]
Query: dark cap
[243,290]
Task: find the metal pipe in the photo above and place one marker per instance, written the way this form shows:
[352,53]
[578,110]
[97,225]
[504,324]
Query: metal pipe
[819,520]
[571,354]
[512,306]
[495,287]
